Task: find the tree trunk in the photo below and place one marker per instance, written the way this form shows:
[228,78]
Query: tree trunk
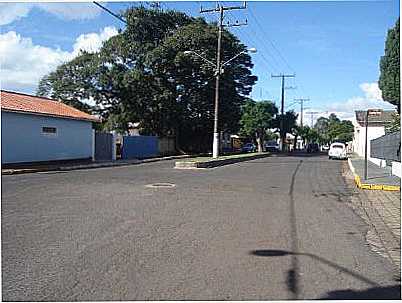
[259,142]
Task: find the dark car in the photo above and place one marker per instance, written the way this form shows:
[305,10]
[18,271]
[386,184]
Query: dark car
[271,146]
[248,148]
[312,148]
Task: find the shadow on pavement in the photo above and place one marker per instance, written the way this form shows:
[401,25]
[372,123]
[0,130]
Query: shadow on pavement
[375,292]
[302,154]
[292,280]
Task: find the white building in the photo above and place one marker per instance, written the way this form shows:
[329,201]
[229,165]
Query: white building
[376,129]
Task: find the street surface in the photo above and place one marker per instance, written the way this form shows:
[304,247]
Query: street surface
[270,229]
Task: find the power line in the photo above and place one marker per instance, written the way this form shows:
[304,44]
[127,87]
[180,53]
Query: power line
[269,40]
[110,12]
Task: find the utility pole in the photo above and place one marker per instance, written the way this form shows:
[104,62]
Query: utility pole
[301,101]
[312,117]
[283,134]
[220,9]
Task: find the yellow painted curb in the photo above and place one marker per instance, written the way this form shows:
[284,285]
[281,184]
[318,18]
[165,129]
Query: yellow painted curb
[361,185]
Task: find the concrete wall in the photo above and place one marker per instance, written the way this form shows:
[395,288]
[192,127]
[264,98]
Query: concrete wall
[167,146]
[359,141]
[22,139]
[396,169]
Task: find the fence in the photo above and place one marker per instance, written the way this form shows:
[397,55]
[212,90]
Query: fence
[139,147]
[103,146]
[387,147]
[167,146]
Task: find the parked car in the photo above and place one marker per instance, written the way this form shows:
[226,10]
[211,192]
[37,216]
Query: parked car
[325,147]
[312,148]
[337,150]
[271,146]
[248,148]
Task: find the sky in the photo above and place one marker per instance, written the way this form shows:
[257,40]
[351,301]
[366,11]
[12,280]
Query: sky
[332,47]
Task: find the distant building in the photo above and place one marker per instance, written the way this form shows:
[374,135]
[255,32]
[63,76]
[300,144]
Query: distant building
[37,129]
[376,129]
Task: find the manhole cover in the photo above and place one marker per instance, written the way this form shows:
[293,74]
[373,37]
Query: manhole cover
[160,185]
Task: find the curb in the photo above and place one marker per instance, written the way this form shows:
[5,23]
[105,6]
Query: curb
[216,163]
[370,186]
[90,166]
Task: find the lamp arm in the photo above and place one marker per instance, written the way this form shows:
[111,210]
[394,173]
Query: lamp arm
[233,58]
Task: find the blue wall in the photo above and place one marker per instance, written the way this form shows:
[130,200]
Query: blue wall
[139,147]
[22,139]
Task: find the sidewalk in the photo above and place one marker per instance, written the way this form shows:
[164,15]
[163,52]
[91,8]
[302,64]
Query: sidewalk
[381,210]
[66,167]
[377,177]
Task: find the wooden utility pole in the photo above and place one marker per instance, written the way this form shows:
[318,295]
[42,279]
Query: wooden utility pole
[283,134]
[312,117]
[219,9]
[301,101]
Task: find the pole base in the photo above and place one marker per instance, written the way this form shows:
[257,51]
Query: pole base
[215,146]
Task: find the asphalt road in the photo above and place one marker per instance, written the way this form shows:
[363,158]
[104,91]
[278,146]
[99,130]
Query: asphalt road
[268,229]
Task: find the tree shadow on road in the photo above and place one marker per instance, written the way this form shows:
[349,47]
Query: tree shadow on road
[376,291]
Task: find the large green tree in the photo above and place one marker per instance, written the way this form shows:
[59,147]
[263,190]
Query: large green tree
[257,118]
[71,82]
[142,75]
[333,129]
[389,81]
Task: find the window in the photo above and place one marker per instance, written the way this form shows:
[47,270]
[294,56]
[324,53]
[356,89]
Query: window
[49,131]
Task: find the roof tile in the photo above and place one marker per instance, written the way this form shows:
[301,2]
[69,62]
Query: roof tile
[17,102]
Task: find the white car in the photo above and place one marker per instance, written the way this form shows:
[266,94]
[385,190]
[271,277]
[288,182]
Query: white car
[337,150]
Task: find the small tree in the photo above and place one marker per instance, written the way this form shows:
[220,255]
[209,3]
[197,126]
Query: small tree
[289,124]
[256,119]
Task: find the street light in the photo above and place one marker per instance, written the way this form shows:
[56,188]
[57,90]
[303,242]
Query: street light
[218,71]
[370,112]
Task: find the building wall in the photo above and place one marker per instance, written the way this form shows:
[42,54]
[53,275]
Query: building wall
[359,141]
[396,169]
[22,139]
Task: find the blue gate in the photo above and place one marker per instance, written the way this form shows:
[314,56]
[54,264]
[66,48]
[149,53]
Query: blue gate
[139,147]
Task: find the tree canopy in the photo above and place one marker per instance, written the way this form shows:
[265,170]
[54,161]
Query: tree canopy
[333,129]
[142,75]
[389,81]
[257,118]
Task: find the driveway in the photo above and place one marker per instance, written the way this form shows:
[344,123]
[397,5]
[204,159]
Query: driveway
[270,229]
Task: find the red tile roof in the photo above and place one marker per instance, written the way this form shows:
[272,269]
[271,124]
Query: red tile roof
[18,102]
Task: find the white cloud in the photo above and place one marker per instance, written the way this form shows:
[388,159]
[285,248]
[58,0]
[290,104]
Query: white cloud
[71,11]
[371,91]
[371,99]
[92,42]
[10,12]
[23,64]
